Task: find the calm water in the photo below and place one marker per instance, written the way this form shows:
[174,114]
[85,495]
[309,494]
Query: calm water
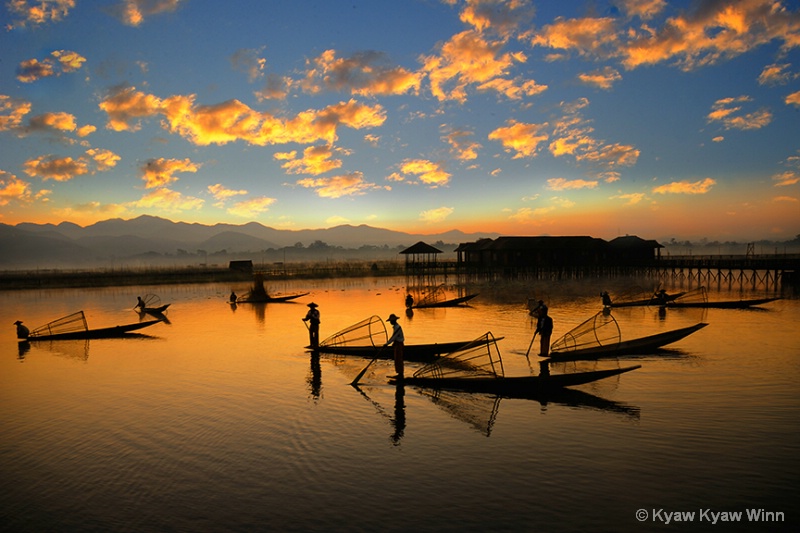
[220,421]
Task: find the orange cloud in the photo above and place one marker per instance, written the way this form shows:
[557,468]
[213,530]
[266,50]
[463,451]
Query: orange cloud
[350,184]
[561,184]
[13,188]
[469,58]
[61,61]
[462,146]
[793,99]
[103,159]
[727,111]
[432,216]
[715,31]
[644,9]
[364,74]
[233,120]
[790,177]
[429,173]
[499,16]
[249,62]
[594,37]
[36,12]
[222,193]
[520,138]
[161,172]
[775,74]
[50,167]
[602,79]
[168,200]
[316,160]
[133,12]
[630,199]
[12,111]
[53,121]
[252,208]
[685,187]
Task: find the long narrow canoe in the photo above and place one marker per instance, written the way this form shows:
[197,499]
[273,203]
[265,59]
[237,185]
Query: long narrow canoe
[517,385]
[100,333]
[270,299]
[155,310]
[445,303]
[650,301]
[729,304]
[642,345]
[420,353]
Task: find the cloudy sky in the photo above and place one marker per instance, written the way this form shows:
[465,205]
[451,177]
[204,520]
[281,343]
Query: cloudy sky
[523,117]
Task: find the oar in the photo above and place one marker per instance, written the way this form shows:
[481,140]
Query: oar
[364,371]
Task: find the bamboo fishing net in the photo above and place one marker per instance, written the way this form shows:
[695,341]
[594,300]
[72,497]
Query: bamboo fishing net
[68,324]
[600,330]
[698,295]
[434,296]
[479,358]
[151,300]
[370,331]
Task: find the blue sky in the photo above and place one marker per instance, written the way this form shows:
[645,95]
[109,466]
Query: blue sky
[660,119]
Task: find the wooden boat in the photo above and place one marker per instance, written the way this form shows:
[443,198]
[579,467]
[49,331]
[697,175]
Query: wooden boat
[445,303]
[100,333]
[154,310]
[268,299]
[729,304]
[646,302]
[514,386]
[420,353]
[642,345]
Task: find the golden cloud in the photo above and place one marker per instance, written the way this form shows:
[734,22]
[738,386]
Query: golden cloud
[603,79]
[462,146]
[500,16]
[53,121]
[433,216]
[790,177]
[133,12]
[103,159]
[594,37]
[12,111]
[222,193]
[775,74]
[365,73]
[715,31]
[252,208]
[50,167]
[233,120]
[644,9]
[249,61]
[61,61]
[468,58]
[630,198]
[316,160]
[160,172]
[793,99]
[13,188]
[685,187]
[727,111]
[168,200]
[429,173]
[37,12]
[561,184]
[350,184]
[520,138]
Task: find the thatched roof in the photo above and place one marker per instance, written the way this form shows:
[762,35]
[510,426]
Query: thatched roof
[421,248]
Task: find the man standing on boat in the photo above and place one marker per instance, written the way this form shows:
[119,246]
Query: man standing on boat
[22,331]
[312,317]
[397,340]
[544,327]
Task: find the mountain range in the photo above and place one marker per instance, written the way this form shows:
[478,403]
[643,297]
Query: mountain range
[149,240]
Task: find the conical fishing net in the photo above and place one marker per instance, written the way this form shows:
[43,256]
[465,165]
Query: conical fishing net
[600,330]
[151,300]
[370,331]
[479,358]
[698,295]
[68,324]
[258,292]
[434,296]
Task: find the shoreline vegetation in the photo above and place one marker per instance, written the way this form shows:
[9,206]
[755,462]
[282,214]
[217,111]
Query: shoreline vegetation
[105,277]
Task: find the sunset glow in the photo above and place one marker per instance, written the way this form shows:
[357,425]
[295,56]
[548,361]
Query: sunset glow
[521,117]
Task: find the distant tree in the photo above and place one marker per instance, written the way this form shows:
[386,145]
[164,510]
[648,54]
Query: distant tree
[299,245]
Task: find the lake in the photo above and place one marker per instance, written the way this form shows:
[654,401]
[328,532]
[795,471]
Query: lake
[220,420]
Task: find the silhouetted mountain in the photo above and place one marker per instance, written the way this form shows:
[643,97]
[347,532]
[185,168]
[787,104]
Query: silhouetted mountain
[145,239]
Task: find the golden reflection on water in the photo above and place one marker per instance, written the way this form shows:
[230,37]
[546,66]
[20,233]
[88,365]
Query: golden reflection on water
[223,415]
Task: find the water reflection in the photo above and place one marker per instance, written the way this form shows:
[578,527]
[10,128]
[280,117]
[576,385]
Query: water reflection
[396,417]
[315,377]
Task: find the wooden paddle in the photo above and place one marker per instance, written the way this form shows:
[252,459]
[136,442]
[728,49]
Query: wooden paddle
[530,345]
[364,370]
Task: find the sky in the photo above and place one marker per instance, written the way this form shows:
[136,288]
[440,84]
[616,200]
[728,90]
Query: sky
[676,119]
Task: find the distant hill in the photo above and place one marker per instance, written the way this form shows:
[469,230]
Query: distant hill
[148,240]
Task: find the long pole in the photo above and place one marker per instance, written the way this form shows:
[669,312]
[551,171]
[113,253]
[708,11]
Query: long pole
[364,370]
